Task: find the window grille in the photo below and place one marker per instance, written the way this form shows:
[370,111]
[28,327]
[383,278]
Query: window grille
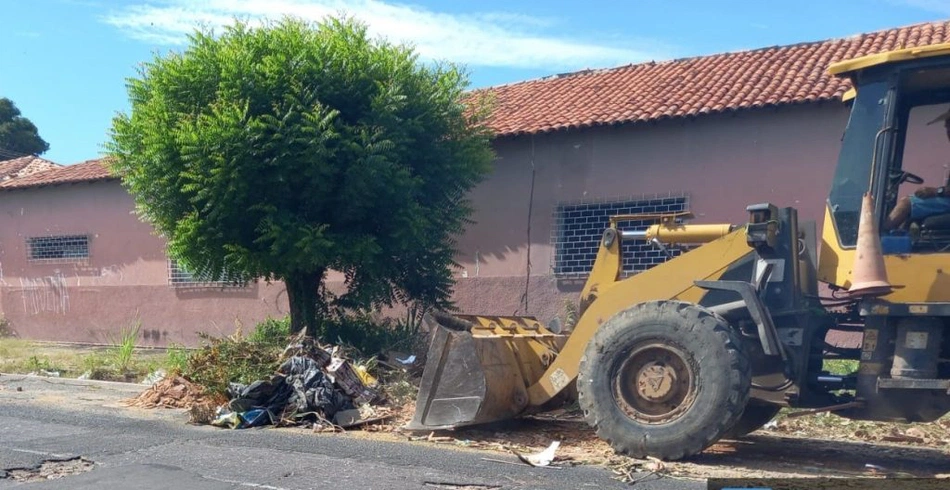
[179,276]
[58,248]
[579,227]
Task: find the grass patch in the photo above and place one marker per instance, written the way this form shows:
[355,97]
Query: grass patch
[21,356]
[24,356]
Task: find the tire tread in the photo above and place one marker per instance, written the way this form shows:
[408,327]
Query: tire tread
[690,318]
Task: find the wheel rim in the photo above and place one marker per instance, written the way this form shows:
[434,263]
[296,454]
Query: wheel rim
[654,383]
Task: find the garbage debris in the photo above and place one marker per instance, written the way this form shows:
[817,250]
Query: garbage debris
[313,385]
[543,458]
[154,377]
[43,372]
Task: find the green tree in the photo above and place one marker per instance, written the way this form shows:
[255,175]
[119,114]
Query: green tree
[294,149]
[17,133]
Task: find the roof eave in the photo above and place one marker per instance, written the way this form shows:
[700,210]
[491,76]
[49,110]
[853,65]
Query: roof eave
[54,184]
[642,120]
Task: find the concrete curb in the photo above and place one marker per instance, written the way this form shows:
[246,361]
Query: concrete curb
[74,381]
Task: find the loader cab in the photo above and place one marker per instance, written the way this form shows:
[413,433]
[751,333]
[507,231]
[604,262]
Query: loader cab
[889,150]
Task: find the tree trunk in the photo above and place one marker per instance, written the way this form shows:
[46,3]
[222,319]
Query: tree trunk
[303,294]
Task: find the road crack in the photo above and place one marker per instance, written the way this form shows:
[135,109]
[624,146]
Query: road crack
[460,486]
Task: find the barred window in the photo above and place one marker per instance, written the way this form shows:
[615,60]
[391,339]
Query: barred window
[57,248]
[579,227]
[178,275]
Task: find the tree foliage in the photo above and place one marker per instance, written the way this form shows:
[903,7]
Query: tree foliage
[18,135]
[295,149]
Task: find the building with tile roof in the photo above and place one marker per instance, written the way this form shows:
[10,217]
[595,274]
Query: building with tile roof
[708,134]
[687,88]
[53,174]
[24,166]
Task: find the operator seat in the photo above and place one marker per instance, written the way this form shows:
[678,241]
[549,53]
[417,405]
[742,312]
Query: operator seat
[932,232]
[937,222]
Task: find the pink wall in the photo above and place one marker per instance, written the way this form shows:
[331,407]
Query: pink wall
[723,163]
[124,279]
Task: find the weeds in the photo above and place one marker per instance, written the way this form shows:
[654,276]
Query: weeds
[235,358]
[271,332]
[37,364]
[6,330]
[122,351]
[96,366]
[176,359]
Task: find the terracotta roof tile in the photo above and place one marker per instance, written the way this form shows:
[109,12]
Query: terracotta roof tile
[20,167]
[87,171]
[758,78]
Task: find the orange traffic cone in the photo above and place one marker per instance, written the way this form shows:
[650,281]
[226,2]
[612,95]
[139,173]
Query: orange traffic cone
[868,274]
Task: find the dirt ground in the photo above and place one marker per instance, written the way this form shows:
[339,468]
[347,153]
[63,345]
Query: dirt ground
[789,448]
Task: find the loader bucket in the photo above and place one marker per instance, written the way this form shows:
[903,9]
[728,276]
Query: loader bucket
[478,369]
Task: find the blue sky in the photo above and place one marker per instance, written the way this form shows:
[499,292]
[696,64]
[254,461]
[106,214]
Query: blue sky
[64,62]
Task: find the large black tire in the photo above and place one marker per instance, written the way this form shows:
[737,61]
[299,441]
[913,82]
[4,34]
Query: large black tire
[752,419]
[664,379]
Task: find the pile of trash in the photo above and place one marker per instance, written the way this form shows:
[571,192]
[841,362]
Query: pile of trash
[313,385]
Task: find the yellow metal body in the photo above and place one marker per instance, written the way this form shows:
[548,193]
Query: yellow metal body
[477,368]
[607,266]
[533,345]
[606,294]
[918,278]
[846,66]
[687,233]
[487,368]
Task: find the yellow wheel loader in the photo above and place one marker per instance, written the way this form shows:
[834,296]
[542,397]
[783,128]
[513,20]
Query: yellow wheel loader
[712,343]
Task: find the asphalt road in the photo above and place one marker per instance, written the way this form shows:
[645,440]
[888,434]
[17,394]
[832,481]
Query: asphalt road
[50,419]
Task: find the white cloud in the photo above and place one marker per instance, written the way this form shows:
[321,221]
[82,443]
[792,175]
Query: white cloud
[489,39]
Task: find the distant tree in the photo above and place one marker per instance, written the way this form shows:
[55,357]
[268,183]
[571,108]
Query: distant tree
[291,150]
[18,135]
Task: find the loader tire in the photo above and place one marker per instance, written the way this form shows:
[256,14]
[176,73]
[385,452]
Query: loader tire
[664,379]
[752,419]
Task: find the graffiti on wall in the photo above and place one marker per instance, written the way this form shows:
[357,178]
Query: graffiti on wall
[45,294]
